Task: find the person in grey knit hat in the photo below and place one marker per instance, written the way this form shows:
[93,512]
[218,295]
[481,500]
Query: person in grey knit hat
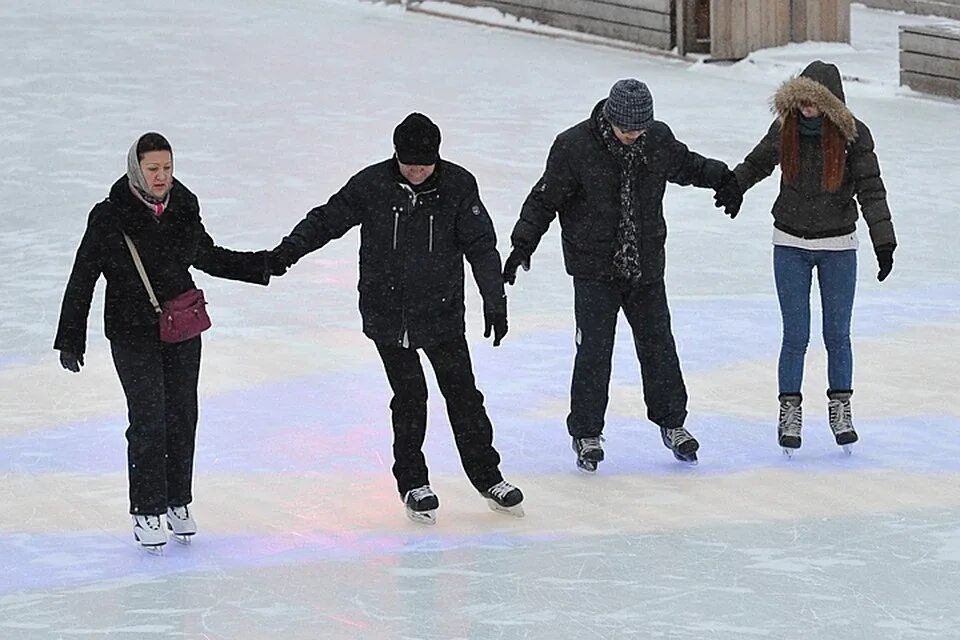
[606,177]
[629,106]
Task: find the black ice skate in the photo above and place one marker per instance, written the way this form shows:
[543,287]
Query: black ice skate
[505,498]
[790,422]
[841,419]
[181,524]
[421,505]
[683,445]
[589,453]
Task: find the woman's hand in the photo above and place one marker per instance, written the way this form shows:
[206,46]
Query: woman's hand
[71,361]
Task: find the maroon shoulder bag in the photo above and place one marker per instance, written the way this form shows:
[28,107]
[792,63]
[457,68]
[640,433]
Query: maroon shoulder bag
[182,317]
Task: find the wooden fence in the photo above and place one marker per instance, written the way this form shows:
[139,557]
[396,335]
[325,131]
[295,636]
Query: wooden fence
[643,22]
[930,59]
[944,8]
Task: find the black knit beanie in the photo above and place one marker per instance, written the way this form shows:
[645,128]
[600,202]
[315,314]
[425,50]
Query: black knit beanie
[417,140]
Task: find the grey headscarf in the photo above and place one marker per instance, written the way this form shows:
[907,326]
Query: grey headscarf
[138,184]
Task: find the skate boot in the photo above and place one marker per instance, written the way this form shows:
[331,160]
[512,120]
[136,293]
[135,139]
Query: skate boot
[790,422]
[181,524]
[589,453]
[422,504]
[150,533]
[841,419]
[505,498]
[683,445]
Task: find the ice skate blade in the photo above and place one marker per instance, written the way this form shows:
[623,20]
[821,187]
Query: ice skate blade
[516,510]
[690,459]
[587,466]
[422,517]
[847,449]
[183,538]
[788,452]
[152,549]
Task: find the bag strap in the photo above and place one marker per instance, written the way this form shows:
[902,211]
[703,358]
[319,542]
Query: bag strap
[143,274]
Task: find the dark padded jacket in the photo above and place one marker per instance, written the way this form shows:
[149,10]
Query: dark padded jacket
[168,246]
[412,244]
[581,183]
[805,209]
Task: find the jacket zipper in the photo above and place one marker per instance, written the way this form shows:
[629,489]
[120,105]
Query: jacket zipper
[430,249]
[396,223]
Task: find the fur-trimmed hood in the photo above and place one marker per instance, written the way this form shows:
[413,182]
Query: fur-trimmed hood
[820,84]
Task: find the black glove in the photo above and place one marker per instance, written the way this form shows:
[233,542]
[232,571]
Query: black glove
[729,195]
[279,259]
[885,260]
[71,361]
[495,319]
[519,257]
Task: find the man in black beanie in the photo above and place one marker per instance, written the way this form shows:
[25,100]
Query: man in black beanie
[419,216]
[606,177]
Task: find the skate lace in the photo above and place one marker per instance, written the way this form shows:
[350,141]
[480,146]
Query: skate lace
[840,419]
[180,513]
[421,493]
[501,489]
[149,522]
[678,436]
[791,417]
[590,443]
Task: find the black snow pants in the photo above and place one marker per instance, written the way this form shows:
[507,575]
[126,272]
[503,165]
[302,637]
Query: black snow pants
[472,430]
[160,382]
[596,306]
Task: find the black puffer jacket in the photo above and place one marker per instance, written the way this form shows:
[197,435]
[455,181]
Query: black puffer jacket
[582,183]
[805,209]
[412,244]
[167,245]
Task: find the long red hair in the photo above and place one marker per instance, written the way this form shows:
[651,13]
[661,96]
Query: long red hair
[833,144]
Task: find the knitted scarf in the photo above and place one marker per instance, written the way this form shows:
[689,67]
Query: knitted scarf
[626,258]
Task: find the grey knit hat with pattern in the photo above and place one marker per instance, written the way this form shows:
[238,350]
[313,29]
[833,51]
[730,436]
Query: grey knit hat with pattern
[630,105]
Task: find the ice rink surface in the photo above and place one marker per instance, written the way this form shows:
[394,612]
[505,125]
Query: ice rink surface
[270,107]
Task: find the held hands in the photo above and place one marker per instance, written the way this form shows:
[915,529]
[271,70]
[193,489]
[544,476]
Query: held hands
[279,260]
[519,257]
[729,196]
[884,260]
[495,320]
[71,361]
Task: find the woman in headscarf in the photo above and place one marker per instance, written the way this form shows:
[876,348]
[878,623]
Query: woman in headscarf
[826,158]
[152,215]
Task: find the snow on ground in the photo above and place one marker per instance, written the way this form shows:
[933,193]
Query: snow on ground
[270,108]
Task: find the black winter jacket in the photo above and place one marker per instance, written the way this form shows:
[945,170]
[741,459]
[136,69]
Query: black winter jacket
[805,209]
[412,244]
[582,183]
[167,245]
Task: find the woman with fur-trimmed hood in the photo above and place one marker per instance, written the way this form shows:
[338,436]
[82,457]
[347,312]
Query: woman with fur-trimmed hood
[826,157]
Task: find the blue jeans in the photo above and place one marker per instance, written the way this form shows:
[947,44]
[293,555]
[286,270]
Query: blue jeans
[837,277]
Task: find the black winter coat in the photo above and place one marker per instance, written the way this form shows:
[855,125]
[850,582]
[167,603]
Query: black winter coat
[806,209]
[412,244]
[582,183]
[168,246]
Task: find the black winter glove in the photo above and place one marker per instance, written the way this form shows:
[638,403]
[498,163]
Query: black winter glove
[71,361]
[495,319]
[885,261]
[729,195]
[279,259]
[519,257]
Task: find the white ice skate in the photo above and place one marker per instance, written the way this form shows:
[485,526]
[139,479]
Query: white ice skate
[505,498]
[181,523]
[682,443]
[150,533]
[421,505]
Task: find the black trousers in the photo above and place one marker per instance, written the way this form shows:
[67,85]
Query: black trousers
[160,383]
[596,306]
[472,430]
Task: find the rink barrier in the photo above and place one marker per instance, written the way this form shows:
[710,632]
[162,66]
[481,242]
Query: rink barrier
[942,8]
[648,23]
[930,59]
